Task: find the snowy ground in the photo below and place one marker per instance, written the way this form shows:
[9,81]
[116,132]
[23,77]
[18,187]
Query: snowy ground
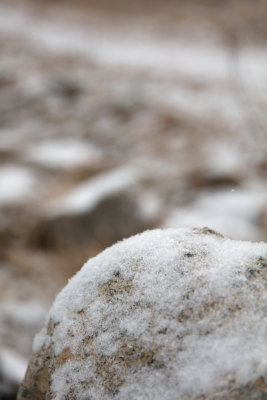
[85,93]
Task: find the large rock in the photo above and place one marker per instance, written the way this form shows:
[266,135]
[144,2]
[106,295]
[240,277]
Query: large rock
[174,314]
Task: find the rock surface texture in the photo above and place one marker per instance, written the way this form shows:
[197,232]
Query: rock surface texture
[174,314]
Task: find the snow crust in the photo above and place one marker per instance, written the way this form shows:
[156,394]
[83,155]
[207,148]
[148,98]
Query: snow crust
[88,194]
[185,293]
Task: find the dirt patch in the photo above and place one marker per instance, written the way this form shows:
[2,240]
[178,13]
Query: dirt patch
[258,269]
[129,357]
[116,287]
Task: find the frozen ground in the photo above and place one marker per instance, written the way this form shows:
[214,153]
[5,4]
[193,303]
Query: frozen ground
[86,92]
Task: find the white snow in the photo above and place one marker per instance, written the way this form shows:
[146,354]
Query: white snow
[224,158]
[65,154]
[12,366]
[150,205]
[171,272]
[16,184]
[88,194]
[26,313]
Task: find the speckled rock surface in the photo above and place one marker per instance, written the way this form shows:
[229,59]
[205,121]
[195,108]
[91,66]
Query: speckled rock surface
[168,314]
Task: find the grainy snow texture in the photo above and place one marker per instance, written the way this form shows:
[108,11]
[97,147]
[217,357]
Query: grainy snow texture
[167,314]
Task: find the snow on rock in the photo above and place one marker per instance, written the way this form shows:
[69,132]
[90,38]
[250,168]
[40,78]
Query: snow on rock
[105,209]
[88,194]
[167,314]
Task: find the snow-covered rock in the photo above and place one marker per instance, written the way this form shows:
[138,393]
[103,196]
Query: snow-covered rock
[174,314]
[167,314]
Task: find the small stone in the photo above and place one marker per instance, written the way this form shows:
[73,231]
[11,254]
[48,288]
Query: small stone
[100,210]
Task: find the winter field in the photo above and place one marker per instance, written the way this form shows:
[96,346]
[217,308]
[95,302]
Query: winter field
[117,117]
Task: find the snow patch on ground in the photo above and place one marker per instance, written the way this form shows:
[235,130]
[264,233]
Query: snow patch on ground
[16,184]
[89,193]
[28,313]
[234,212]
[64,154]
[204,61]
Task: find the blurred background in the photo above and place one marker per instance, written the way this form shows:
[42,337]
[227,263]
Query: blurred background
[118,116]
